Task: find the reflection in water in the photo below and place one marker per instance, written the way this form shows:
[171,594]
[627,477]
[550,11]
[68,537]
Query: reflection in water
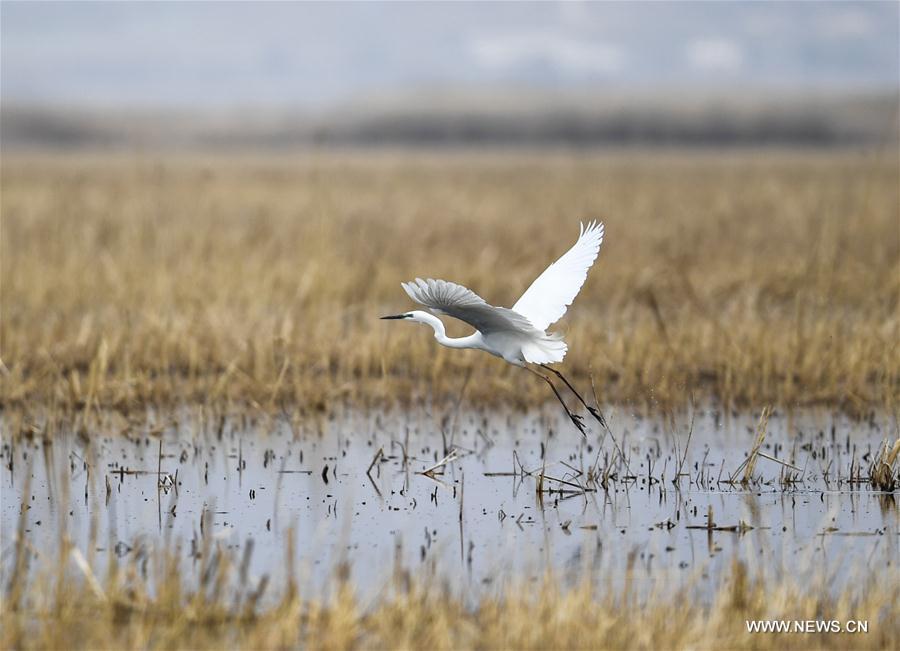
[477,499]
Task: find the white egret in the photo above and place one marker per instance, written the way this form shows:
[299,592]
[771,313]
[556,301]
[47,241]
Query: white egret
[518,334]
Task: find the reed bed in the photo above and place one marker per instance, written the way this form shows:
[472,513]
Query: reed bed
[136,282]
[147,603]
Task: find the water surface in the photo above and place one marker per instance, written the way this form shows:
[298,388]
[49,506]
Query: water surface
[523,492]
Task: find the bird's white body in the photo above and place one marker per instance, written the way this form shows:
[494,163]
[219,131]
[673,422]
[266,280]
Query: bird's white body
[518,334]
[510,346]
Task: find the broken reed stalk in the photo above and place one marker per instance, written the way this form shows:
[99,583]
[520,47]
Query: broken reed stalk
[606,427]
[375,459]
[881,472]
[783,463]
[581,489]
[688,444]
[451,457]
[749,464]
[456,407]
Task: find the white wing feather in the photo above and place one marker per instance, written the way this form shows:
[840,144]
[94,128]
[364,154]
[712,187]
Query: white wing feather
[553,291]
[443,297]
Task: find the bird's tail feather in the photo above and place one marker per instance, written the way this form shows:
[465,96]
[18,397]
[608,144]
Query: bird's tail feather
[547,350]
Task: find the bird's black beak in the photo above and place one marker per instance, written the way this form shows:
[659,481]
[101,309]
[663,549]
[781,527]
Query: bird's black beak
[396,316]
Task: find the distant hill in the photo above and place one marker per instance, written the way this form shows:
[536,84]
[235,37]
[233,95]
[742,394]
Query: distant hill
[456,117]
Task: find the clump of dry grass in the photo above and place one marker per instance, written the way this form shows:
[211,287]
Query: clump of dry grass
[755,278]
[55,606]
[882,473]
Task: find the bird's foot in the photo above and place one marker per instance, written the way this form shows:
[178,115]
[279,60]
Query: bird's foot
[596,414]
[578,421]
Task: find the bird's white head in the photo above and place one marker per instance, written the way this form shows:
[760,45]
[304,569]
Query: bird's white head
[422,317]
[416,315]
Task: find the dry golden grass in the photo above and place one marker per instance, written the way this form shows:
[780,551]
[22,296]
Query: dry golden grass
[61,606]
[752,278]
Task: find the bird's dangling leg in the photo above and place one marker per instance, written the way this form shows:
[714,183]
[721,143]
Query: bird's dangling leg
[595,412]
[577,420]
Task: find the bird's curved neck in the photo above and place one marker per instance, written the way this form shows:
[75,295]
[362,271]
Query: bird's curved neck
[440,333]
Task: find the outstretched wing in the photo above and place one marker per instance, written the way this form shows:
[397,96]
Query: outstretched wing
[443,297]
[546,300]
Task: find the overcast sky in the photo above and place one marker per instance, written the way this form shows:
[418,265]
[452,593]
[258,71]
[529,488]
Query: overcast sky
[273,54]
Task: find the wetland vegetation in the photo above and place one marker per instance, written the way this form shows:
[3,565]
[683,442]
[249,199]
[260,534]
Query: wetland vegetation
[210,439]
[754,278]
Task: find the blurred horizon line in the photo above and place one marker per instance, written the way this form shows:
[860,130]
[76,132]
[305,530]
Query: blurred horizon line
[470,115]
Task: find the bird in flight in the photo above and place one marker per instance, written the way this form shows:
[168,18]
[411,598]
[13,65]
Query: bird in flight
[517,334]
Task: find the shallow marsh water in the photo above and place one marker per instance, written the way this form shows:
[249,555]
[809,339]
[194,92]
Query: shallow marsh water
[522,493]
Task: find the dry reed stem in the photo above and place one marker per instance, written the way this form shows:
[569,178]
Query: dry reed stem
[416,612]
[131,283]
